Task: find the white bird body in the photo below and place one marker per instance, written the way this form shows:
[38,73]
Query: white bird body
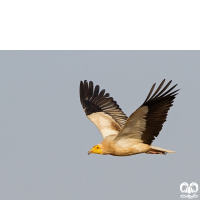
[125,136]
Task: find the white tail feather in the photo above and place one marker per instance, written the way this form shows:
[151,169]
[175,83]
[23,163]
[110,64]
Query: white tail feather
[160,149]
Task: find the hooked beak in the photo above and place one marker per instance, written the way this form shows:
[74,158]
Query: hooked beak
[89,152]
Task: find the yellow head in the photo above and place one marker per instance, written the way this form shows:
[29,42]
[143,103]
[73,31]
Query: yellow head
[95,149]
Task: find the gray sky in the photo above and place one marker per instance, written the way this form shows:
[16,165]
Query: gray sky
[45,135]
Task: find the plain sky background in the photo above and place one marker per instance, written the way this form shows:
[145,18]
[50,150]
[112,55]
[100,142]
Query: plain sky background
[45,135]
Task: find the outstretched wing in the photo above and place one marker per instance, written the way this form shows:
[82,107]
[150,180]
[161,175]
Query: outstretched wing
[101,109]
[147,121]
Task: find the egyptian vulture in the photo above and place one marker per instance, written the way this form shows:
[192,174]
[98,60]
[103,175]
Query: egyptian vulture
[122,135]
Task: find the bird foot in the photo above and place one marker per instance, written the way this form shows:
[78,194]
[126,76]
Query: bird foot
[156,152]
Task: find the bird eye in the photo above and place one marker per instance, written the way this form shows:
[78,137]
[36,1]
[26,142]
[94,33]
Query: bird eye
[97,147]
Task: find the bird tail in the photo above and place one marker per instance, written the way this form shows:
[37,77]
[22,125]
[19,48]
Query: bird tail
[157,150]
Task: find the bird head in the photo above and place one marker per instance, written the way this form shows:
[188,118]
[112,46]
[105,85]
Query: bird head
[96,149]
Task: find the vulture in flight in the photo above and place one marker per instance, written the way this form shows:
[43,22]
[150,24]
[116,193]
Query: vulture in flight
[122,135]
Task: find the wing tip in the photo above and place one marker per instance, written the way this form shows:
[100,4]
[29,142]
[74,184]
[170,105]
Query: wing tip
[160,93]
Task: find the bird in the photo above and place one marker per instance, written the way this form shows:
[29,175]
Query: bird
[122,135]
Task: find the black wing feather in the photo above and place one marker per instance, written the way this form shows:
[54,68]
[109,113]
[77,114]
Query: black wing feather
[94,101]
[158,107]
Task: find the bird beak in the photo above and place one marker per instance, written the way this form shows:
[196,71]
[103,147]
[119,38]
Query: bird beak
[89,152]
